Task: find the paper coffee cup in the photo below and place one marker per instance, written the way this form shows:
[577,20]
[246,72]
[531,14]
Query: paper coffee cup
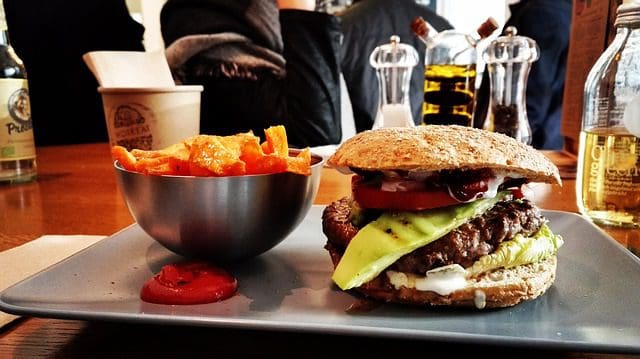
[151,118]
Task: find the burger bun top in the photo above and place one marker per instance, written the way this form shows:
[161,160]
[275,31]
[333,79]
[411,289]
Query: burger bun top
[443,147]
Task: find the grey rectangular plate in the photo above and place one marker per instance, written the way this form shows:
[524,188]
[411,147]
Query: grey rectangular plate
[594,304]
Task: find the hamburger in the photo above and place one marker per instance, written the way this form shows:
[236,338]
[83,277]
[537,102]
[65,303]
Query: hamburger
[437,217]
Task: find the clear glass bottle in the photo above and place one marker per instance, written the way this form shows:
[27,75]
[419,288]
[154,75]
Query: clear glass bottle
[608,178]
[450,73]
[394,63]
[17,146]
[509,59]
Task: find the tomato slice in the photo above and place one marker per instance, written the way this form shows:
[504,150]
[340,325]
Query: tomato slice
[371,196]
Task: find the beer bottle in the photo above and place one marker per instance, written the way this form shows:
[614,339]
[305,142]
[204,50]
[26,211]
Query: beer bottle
[17,147]
[608,178]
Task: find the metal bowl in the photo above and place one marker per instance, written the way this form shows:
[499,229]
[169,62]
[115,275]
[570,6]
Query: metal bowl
[225,219]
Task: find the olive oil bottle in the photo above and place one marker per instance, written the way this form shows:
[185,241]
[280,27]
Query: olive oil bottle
[449,94]
[450,73]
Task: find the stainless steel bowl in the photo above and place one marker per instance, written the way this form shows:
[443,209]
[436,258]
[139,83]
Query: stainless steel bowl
[224,219]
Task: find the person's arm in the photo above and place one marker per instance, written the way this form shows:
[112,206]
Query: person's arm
[304,96]
[311,49]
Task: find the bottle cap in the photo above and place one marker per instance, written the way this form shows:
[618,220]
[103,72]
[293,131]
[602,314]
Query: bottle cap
[628,14]
[511,48]
[420,27]
[487,28]
[394,54]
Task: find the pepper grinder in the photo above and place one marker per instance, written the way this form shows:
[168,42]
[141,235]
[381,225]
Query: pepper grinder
[509,60]
[394,63]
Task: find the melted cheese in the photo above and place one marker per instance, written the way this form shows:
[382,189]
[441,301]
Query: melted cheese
[443,280]
[479,299]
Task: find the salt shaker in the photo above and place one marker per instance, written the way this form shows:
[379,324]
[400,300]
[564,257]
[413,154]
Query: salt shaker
[509,60]
[394,63]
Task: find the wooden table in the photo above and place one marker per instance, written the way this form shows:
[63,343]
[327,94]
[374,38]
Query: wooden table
[76,193]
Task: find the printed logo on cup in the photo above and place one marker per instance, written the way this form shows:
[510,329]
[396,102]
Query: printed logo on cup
[131,126]
[151,118]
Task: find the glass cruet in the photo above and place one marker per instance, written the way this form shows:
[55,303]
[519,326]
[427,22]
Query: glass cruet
[450,73]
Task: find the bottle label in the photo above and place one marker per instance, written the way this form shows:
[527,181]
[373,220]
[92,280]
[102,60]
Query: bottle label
[16,128]
[609,175]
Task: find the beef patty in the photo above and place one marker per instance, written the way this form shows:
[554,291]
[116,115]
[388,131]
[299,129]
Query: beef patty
[464,245]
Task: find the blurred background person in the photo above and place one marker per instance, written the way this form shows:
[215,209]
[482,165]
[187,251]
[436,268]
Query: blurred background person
[548,22]
[367,24]
[261,62]
[50,36]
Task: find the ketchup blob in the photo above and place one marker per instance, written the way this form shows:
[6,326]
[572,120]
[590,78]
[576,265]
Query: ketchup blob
[517,193]
[189,283]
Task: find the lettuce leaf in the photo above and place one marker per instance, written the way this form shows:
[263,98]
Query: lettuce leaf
[382,242]
[520,250]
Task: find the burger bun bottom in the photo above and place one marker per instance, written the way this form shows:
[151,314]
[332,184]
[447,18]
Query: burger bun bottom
[502,287]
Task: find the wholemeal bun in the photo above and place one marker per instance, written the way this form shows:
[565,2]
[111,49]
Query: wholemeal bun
[503,287]
[436,147]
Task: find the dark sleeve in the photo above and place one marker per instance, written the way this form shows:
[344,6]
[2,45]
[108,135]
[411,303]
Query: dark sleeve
[545,70]
[312,87]
[179,18]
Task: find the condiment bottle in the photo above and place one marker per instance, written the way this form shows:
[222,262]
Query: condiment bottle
[450,73]
[17,147]
[509,59]
[394,63]
[608,178]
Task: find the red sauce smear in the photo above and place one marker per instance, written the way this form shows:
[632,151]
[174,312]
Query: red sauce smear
[517,193]
[189,283]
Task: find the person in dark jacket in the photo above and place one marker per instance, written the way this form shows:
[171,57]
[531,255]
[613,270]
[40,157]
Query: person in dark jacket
[50,36]
[367,24]
[259,65]
[548,22]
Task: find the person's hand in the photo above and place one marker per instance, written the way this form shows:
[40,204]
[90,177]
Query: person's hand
[297,4]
